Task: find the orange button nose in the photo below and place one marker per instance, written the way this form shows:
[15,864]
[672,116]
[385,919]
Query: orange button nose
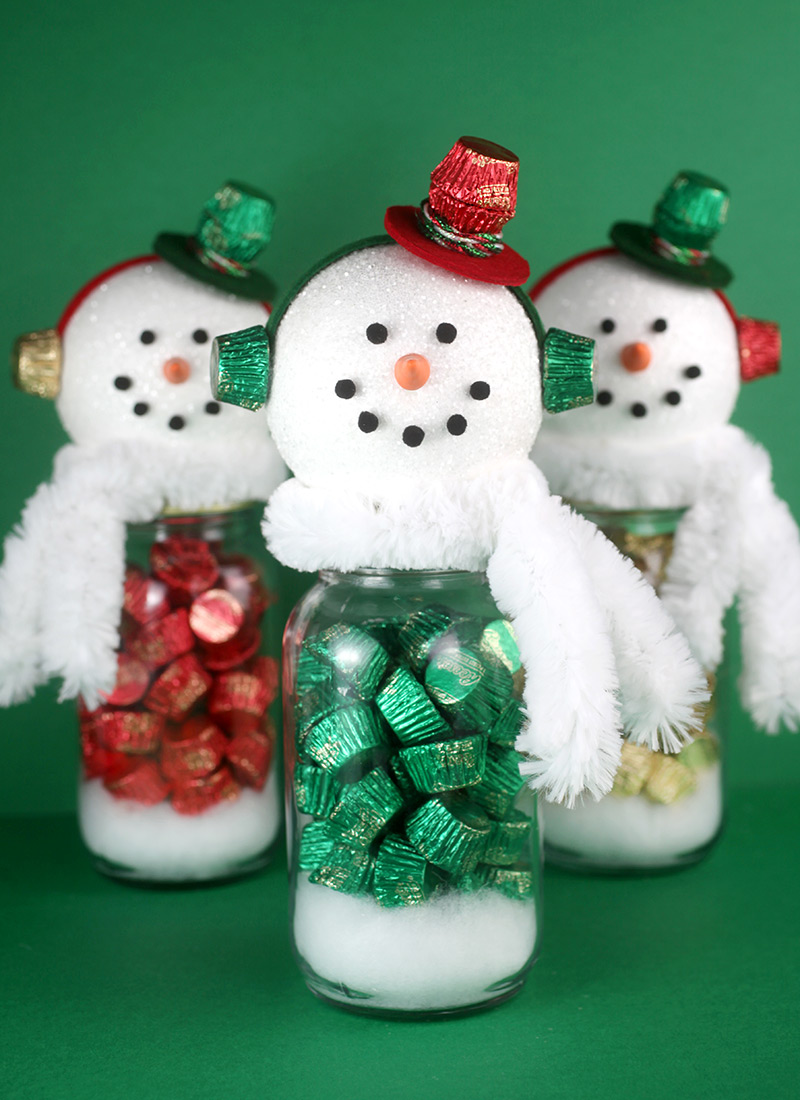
[635,357]
[412,371]
[176,370]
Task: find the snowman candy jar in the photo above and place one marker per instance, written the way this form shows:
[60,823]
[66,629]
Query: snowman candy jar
[166,639]
[404,383]
[687,495]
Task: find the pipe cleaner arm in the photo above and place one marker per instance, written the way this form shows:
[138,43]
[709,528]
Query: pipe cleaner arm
[572,736]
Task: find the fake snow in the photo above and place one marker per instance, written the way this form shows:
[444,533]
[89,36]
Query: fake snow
[158,844]
[444,954]
[635,832]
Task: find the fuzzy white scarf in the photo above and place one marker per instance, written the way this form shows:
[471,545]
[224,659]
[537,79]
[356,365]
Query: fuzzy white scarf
[600,652]
[736,540]
[62,577]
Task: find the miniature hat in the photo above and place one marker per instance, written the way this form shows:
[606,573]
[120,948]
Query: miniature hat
[473,194]
[686,220]
[235,226]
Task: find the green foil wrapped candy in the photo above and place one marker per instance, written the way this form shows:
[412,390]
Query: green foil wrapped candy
[240,367]
[420,632]
[506,729]
[446,765]
[315,790]
[498,643]
[514,882]
[365,808]
[411,715]
[450,836]
[311,673]
[355,656]
[346,869]
[340,737]
[400,874]
[317,841]
[501,783]
[508,839]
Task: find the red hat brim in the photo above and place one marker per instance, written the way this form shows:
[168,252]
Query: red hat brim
[507,268]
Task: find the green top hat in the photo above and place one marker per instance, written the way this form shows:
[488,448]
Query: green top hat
[686,220]
[235,226]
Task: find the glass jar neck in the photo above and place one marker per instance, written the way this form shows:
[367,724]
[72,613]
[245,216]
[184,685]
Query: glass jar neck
[427,579]
[637,521]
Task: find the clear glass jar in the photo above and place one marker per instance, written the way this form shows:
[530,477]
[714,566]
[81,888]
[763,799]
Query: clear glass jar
[413,842]
[179,777]
[665,810]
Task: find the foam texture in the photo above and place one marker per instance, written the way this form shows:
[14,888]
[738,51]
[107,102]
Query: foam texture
[161,845]
[635,832]
[442,954]
[322,340]
[102,342]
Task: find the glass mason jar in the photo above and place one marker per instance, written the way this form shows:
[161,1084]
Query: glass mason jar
[179,779]
[413,842]
[664,810]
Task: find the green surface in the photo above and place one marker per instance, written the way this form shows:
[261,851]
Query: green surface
[679,985]
[122,119]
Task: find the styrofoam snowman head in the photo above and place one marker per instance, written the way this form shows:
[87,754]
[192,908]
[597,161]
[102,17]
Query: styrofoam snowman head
[135,352]
[666,356]
[385,365]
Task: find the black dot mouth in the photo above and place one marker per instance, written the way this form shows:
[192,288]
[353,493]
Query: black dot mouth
[213,408]
[604,397]
[413,435]
[457,424]
[141,408]
[672,397]
[638,409]
[176,423]
[367,422]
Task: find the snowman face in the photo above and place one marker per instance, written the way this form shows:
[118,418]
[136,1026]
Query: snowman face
[387,366]
[666,360]
[136,360]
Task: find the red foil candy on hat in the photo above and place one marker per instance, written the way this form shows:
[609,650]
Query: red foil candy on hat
[250,755]
[195,796]
[143,783]
[195,749]
[216,616]
[184,564]
[179,687]
[475,186]
[132,681]
[144,598]
[160,642]
[128,731]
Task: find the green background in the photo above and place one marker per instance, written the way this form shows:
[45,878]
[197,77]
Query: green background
[120,119]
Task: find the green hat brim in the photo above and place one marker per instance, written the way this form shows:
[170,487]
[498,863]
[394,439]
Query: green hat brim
[635,240]
[178,250]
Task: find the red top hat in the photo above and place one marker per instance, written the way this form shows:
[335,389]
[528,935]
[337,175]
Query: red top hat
[473,194]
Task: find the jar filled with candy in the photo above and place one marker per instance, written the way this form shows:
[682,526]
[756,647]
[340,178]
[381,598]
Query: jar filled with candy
[413,844]
[665,809]
[179,779]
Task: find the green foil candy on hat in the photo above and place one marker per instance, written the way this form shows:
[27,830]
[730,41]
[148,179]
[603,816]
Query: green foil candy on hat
[400,877]
[501,782]
[344,735]
[508,839]
[317,841]
[411,715]
[347,869]
[315,790]
[514,882]
[365,808]
[450,836]
[355,657]
[446,765]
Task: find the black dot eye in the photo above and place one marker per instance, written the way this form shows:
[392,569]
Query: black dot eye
[147,337]
[456,425]
[212,408]
[413,435]
[608,325]
[479,391]
[446,333]
[141,408]
[367,422]
[672,398]
[660,325]
[176,423]
[605,397]
[345,388]
[692,372]
[122,382]
[377,333]
[200,336]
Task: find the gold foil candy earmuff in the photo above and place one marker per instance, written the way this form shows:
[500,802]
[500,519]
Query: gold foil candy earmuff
[36,363]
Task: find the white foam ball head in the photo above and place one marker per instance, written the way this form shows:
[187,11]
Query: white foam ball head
[692,380]
[116,345]
[336,409]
